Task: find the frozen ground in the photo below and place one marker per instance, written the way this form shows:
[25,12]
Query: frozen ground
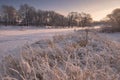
[12,39]
[74,56]
[114,36]
[69,57]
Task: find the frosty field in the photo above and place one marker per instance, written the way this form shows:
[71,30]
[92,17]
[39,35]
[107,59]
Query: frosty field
[59,54]
[10,39]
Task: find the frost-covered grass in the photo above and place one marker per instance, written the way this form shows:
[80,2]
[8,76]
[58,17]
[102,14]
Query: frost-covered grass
[12,39]
[76,56]
[113,36]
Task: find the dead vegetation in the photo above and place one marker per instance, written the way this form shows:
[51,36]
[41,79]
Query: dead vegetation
[65,58]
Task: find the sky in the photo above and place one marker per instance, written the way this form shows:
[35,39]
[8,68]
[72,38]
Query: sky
[97,8]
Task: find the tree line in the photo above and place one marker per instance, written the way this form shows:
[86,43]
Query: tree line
[113,20]
[27,15]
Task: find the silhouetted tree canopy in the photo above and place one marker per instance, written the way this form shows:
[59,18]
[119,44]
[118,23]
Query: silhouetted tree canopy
[114,19]
[27,15]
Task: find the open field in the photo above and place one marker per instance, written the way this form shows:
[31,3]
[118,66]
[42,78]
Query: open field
[59,40]
[12,39]
[74,56]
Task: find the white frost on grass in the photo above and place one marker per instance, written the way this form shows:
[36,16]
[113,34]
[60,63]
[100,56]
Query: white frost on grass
[10,39]
[114,36]
[65,58]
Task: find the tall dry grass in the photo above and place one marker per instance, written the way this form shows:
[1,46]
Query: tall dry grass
[65,58]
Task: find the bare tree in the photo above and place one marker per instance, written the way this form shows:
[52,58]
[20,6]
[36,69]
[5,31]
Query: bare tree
[39,17]
[28,14]
[56,19]
[86,19]
[79,19]
[72,17]
[9,14]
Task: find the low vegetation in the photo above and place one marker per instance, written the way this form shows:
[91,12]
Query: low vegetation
[82,55]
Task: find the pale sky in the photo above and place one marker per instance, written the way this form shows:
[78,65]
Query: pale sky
[97,8]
